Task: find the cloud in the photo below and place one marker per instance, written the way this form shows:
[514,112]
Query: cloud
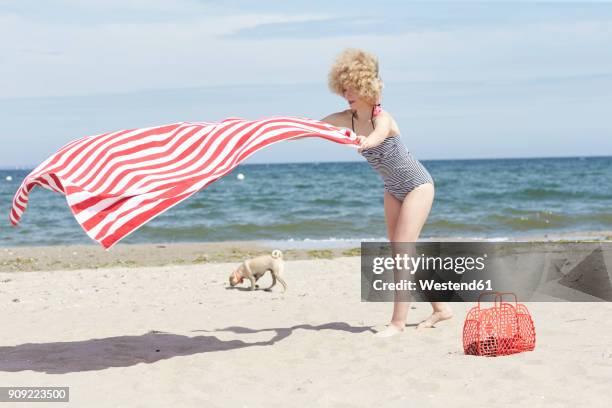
[392,18]
[200,49]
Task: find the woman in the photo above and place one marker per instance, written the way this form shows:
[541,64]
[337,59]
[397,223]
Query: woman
[409,188]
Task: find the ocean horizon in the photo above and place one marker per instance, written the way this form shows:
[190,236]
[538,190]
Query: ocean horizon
[30,167]
[493,199]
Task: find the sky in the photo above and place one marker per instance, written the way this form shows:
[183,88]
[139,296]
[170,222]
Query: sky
[463,80]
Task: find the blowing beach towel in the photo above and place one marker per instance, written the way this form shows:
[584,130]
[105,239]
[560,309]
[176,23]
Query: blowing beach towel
[115,182]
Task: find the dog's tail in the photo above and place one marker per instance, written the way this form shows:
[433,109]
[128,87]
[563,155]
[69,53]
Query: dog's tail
[277,253]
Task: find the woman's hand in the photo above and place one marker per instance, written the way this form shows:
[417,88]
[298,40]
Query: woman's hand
[383,128]
[365,143]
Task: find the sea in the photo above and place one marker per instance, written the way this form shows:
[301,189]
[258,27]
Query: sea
[327,203]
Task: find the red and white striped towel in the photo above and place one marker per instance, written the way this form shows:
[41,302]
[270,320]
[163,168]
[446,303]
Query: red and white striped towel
[115,182]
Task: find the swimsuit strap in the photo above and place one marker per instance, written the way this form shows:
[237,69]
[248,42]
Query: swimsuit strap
[371,119]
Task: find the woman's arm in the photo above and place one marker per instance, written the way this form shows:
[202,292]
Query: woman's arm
[335,119]
[378,135]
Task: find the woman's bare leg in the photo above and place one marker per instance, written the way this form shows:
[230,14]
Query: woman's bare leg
[392,211]
[393,207]
[413,215]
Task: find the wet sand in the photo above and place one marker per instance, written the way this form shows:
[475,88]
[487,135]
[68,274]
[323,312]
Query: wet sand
[70,257]
[93,256]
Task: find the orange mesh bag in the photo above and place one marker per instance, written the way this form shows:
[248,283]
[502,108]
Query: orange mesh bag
[500,330]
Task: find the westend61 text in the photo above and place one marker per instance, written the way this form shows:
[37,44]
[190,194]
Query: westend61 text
[428,285]
[410,263]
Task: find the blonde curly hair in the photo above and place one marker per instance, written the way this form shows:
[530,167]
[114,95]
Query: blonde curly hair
[356,69]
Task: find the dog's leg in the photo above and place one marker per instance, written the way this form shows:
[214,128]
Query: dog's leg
[277,275]
[250,274]
[282,281]
[253,285]
[269,288]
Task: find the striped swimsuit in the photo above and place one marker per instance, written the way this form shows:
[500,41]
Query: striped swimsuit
[401,172]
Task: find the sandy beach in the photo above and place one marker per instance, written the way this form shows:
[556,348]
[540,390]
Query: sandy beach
[156,336]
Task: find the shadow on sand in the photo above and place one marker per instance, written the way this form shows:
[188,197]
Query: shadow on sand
[125,351]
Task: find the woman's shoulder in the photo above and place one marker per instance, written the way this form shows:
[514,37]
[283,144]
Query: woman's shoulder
[386,115]
[386,119]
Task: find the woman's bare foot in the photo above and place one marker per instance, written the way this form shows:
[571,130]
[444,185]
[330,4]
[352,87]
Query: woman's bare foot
[391,330]
[435,318]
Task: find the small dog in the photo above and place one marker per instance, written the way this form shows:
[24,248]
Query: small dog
[255,268]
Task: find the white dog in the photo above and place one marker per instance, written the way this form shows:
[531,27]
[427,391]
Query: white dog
[255,268]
